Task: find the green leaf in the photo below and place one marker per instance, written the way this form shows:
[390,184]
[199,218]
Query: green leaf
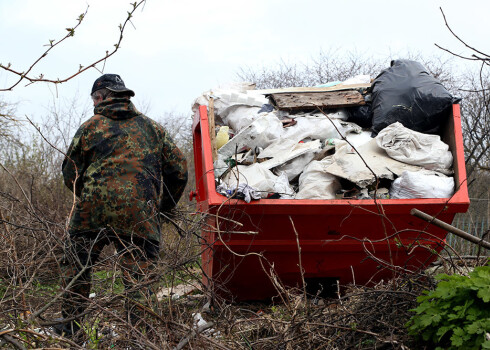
[475,328]
[442,331]
[484,293]
[457,337]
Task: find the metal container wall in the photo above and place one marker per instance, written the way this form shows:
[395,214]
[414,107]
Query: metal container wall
[360,241]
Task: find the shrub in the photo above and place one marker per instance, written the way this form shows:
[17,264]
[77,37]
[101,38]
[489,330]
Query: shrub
[456,315]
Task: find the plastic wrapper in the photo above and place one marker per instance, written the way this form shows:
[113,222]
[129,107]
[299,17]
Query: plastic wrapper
[243,191]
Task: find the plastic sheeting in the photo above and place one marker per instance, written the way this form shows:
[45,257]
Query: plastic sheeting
[422,184]
[415,148]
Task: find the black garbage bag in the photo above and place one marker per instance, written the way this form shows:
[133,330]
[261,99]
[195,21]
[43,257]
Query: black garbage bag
[408,94]
[361,115]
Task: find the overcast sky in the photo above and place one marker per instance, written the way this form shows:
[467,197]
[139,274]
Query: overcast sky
[178,49]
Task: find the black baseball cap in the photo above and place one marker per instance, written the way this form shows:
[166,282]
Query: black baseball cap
[111,82]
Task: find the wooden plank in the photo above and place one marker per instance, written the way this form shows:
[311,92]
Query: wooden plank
[212,129]
[309,100]
[338,87]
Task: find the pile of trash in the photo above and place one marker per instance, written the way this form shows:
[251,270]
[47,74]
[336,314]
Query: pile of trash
[358,139]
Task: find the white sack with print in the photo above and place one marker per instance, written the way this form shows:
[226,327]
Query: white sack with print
[414,148]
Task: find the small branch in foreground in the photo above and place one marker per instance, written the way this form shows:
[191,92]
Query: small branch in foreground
[23,75]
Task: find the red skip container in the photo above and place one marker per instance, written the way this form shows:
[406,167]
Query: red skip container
[349,241]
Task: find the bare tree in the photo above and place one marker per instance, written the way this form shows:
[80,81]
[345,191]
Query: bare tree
[475,90]
[325,67]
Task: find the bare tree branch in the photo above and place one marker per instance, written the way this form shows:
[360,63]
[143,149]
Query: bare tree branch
[24,75]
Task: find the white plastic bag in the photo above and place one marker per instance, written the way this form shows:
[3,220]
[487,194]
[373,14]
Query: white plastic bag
[278,147]
[317,127]
[422,184]
[255,176]
[415,148]
[261,179]
[283,187]
[316,183]
[261,133]
[239,116]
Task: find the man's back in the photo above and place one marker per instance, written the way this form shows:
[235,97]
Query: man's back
[121,156]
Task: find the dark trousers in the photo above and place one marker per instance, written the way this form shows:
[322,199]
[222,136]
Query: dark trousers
[135,257]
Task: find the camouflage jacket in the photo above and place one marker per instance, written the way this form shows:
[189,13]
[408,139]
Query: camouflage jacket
[124,169]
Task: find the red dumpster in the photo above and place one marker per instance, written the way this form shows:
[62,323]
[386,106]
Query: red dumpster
[360,241]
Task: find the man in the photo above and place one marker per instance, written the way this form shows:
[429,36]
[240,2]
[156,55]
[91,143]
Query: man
[125,170]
